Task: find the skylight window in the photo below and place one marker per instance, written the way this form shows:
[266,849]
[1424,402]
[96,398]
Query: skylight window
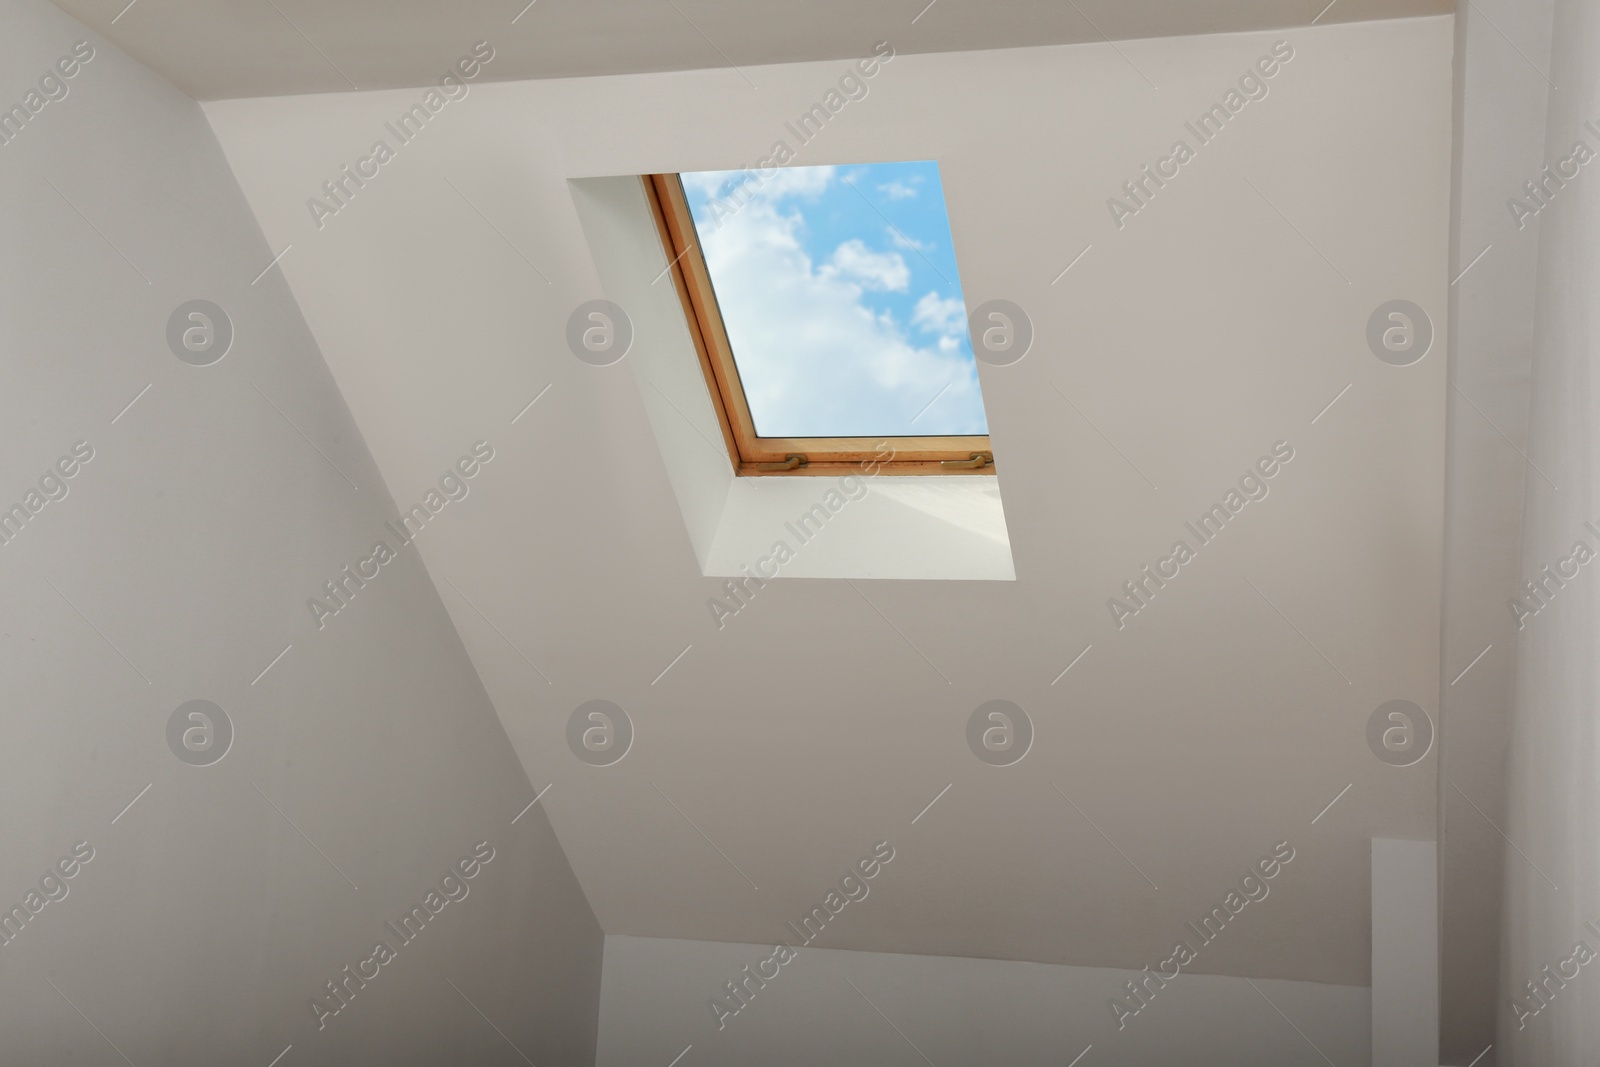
[827,309]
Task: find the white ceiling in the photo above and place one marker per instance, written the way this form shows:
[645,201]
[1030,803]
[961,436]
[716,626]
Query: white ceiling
[220,49]
[825,717]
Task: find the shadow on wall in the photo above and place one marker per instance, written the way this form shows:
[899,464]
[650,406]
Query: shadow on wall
[271,798]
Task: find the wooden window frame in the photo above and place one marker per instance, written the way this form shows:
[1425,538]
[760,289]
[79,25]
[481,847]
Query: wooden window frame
[776,456]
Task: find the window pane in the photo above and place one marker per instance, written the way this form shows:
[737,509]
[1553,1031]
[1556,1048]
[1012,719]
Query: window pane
[839,291]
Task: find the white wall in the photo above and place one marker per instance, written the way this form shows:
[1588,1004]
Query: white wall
[177,567]
[1405,953]
[1499,113]
[1549,1006]
[958,1012]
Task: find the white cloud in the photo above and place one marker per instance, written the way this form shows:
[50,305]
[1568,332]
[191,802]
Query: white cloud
[910,244]
[884,271]
[728,191]
[897,190]
[814,359]
[939,314]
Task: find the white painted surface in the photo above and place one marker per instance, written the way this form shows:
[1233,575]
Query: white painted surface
[1405,953]
[216,49]
[1500,143]
[1552,899]
[1222,719]
[365,761]
[907,1011]
[941,529]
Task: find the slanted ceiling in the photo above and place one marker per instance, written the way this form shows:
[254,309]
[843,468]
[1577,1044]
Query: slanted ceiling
[218,49]
[1227,315]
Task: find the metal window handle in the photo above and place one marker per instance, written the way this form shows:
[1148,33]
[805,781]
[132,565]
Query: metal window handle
[790,462]
[978,461]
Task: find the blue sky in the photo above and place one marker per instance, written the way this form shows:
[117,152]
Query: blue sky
[839,289]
